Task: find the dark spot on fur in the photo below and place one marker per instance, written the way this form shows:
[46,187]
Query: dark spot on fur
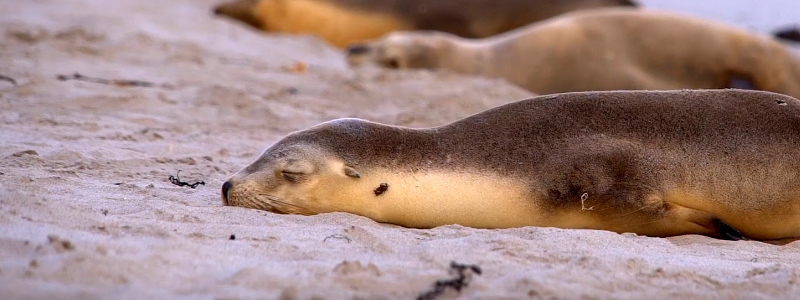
[381,189]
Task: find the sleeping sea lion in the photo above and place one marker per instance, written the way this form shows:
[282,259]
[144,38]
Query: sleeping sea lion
[722,163]
[602,49]
[343,22]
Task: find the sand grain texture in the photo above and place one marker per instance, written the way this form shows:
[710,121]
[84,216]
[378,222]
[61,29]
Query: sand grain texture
[87,212]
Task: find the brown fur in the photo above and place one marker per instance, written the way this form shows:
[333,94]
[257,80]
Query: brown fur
[656,163]
[241,10]
[602,49]
[343,22]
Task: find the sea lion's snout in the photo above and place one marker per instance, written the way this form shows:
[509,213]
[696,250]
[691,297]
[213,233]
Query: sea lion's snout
[357,49]
[225,188]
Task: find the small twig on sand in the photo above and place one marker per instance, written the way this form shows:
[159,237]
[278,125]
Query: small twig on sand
[176,180]
[462,280]
[114,82]
[9,79]
[338,237]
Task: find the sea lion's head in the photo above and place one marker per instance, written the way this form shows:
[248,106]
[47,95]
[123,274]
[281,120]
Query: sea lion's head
[402,50]
[299,174]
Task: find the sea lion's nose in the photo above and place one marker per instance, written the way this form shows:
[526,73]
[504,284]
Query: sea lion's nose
[357,49]
[225,187]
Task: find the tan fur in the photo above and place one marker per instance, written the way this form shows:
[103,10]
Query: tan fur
[344,22]
[507,207]
[602,49]
[332,191]
[336,24]
[722,163]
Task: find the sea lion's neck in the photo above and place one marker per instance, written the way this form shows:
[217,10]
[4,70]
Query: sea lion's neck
[441,197]
[466,56]
[392,147]
[454,147]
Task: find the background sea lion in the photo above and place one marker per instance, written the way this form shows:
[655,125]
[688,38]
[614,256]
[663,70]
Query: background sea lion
[722,163]
[602,49]
[342,22]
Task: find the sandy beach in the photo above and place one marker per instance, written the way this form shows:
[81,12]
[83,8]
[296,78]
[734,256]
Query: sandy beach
[87,210]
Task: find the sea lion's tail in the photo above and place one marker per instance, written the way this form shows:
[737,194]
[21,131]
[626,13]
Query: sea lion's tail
[726,232]
[788,34]
[770,66]
[785,73]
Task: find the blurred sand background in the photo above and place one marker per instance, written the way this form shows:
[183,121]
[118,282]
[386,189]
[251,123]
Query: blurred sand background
[87,212]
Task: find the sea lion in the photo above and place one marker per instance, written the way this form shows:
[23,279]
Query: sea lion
[343,22]
[602,49]
[723,163]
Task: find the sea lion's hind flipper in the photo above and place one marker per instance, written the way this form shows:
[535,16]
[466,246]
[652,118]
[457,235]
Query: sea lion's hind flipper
[726,231]
[788,34]
[708,223]
[665,219]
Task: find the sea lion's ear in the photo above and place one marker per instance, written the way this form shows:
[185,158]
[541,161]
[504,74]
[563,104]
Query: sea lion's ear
[350,172]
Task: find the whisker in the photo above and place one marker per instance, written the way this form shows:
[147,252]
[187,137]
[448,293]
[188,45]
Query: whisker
[297,208]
